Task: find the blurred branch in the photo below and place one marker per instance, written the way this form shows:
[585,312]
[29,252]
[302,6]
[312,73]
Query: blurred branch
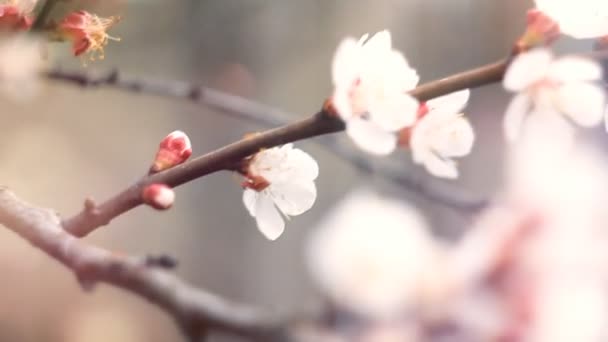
[43,14]
[94,216]
[437,191]
[194,310]
[235,106]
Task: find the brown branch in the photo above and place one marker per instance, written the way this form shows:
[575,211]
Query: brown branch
[195,310]
[94,216]
[43,14]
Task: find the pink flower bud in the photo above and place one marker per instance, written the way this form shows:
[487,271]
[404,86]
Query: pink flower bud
[174,149]
[540,30]
[158,196]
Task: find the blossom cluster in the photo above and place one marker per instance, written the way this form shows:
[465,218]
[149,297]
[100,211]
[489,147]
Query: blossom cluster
[531,267]
[371,85]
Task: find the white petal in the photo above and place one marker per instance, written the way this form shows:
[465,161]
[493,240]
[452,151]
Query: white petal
[527,68]
[514,117]
[371,137]
[379,42]
[294,198]
[301,166]
[451,103]
[249,199]
[342,103]
[346,64]
[444,168]
[579,19]
[568,69]
[582,102]
[405,77]
[270,223]
[455,139]
[394,113]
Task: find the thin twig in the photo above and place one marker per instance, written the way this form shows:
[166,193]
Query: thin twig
[195,310]
[43,14]
[232,105]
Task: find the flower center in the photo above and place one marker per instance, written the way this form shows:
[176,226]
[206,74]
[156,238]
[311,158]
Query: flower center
[257,183]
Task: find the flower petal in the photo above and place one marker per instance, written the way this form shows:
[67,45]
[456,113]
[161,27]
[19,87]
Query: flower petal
[346,64]
[526,69]
[514,117]
[455,138]
[270,223]
[302,166]
[451,103]
[250,198]
[378,43]
[294,198]
[394,113]
[341,102]
[440,167]
[582,102]
[569,69]
[371,137]
[579,19]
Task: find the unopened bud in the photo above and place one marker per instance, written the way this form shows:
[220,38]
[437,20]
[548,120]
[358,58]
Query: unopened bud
[540,30]
[158,196]
[173,150]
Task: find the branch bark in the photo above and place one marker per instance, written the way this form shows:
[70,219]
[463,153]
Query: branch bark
[195,310]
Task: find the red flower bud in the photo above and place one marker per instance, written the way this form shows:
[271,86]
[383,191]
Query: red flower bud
[158,196]
[173,150]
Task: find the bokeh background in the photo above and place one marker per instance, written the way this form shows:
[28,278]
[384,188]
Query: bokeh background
[69,143]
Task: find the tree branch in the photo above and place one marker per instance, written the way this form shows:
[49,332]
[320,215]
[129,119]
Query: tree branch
[235,106]
[43,14]
[94,216]
[195,310]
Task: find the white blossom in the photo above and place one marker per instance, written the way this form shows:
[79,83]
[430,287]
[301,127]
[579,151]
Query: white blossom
[371,255]
[20,67]
[441,134]
[549,86]
[280,182]
[371,80]
[578,18]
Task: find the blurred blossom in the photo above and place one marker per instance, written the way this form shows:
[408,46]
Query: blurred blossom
[371,255]
[279,181]
[442,133]
[544,253]
[88,33]
[371,81]
[386,332]
[16,14]
[546,85]
[580,18]
[20,67]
